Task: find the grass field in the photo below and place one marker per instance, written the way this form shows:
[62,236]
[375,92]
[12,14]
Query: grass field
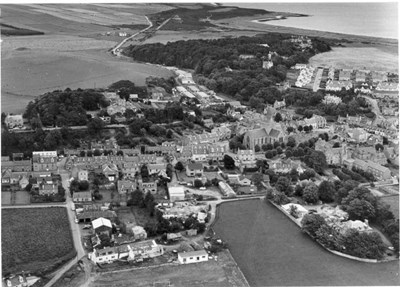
[272,251]
[222,273]
[370,58]
[393,201]
[37,240]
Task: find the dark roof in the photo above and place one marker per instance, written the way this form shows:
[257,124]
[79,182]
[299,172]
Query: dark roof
[195,166]
[274,133]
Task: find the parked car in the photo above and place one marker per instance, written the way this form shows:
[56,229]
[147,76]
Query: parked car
[87,226]
[203,188]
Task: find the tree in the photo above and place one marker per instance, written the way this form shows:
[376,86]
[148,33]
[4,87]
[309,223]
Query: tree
[269,154]
[360,209]
[291,142]
[316,160]
[282,184]
[326,191]
[312,222]
[95,126]
[197,183]
[82,153]
[298,191]
[379,147]
[336,144]
[290,129]
[215,181]
[89,153]
[149,202]
[278,117]
[257,148]
[306,129]
[179,166]
[144,171]
[96,152]
[300,128]
[170,134]
[257,179]
[83,185]
[229,162]
[328,237]
[363,244]
[310,193]
[137,197]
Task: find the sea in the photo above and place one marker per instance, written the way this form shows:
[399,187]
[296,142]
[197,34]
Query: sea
[362,18]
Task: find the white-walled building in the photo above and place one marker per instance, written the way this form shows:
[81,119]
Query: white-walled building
[192,257]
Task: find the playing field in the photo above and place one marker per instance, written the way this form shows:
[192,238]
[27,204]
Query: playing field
[272,251]
[35,239]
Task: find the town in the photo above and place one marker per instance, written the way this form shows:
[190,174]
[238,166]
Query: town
[140,173]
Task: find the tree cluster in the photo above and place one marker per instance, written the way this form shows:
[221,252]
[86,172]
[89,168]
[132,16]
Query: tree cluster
[63,108]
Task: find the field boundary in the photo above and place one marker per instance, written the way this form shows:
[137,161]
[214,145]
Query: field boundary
[366,260]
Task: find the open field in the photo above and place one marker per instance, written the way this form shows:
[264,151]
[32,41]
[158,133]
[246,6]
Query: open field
[38,70]
[75,19]
[22,197]
[272,251]
[393,201]
[223,272]
[370,58]
[37,240]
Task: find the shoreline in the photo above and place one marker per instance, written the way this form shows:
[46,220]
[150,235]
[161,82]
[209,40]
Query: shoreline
[252,24]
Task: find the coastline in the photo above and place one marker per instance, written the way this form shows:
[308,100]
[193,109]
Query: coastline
[252,24]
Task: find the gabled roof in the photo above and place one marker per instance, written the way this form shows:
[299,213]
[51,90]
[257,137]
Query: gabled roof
[101,222]
[274,133]
[257,133]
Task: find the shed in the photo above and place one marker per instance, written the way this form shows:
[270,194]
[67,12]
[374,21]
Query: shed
[192,257]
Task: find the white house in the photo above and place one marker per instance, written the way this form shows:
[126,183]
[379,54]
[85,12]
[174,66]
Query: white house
[83,175]
[192,257]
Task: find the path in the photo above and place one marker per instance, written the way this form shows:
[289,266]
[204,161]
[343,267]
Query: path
[116,51]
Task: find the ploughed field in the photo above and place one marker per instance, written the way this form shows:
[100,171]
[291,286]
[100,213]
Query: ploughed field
[272,251]
[35,240]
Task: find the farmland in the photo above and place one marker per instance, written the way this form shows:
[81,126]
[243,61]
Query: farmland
[37,240]
[277,253]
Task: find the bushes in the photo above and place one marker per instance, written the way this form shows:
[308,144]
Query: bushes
[310,193]
[359,244]
[311,223]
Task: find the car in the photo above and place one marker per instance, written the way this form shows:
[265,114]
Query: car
[189,184]
[87,226]
[203,188]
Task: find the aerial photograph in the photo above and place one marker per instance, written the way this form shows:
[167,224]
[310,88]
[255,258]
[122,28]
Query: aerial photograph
[195,144]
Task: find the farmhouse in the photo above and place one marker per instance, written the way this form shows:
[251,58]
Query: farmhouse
[192,257]
[194,169]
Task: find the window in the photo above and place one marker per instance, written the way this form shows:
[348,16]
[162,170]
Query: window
[203,256]
[191,258]
[198,258]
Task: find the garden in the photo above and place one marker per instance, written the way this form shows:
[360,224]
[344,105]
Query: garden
[35,240]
